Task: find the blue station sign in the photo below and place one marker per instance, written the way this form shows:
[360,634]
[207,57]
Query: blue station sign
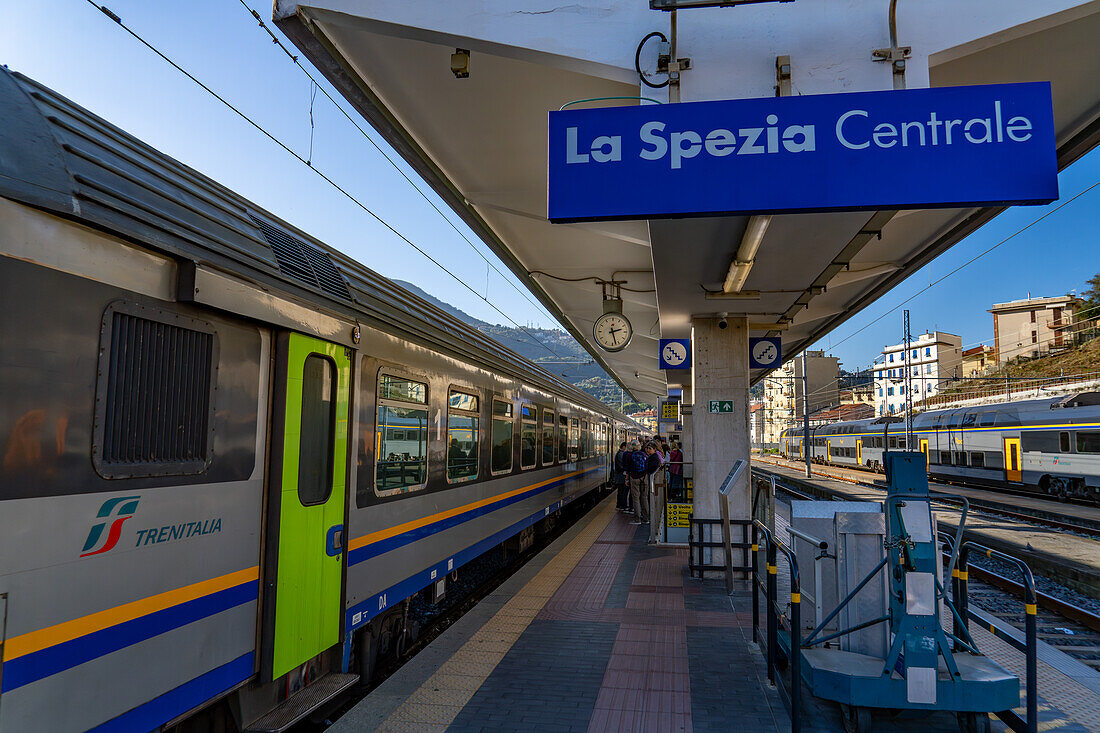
[917,148]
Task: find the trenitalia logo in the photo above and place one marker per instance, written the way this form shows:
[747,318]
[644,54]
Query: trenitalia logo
[122,508]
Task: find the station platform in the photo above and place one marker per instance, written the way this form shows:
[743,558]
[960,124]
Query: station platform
[602,632]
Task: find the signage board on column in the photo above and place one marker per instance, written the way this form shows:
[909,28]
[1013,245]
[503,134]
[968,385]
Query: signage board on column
[670,410]
[720,406]
[987,145]
[675,353]
[765,352]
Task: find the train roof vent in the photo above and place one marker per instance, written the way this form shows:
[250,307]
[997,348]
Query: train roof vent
[1081,399]
[303,262]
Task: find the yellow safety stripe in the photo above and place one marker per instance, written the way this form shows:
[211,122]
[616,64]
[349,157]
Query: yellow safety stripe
[796,598]
[32,641]
[755,548]
[1030,608]
[771,570]
[955,573]
[382,534]
[962,574]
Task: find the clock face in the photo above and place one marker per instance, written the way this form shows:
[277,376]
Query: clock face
[765,353]
[674,354]
[612,331]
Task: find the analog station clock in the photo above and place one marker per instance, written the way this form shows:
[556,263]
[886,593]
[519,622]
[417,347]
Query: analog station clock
[612,331]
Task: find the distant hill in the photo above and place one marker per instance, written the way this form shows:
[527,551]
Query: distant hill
[534,344]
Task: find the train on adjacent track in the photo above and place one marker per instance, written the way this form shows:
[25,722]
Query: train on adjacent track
[1049,446]
[230,453]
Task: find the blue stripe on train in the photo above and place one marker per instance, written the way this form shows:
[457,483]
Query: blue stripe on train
[176,702]
[367,609]
[380,547]
[51,660]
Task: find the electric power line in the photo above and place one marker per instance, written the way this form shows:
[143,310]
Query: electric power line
[294,59]
[106,11]
[973,259]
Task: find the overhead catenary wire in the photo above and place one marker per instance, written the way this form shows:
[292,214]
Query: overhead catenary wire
[106,11]
[294,59]
[973,259]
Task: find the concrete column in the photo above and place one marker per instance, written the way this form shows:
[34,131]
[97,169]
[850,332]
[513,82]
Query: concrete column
[720,371]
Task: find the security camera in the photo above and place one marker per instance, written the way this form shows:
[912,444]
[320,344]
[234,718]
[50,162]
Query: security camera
[722,320]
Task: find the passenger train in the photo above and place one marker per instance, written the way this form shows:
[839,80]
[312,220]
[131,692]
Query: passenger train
[230,454]
[1049,446]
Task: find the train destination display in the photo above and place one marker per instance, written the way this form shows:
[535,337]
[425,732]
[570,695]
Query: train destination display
[917,148]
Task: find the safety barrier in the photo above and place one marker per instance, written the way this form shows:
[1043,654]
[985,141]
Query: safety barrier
[778,623]
[962,614]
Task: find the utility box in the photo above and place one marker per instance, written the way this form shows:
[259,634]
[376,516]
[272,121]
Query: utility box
[819,575]
[859,538]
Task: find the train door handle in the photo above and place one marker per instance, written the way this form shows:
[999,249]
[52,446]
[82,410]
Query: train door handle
[334,541]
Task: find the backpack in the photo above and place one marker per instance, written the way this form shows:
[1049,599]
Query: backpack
[635,463]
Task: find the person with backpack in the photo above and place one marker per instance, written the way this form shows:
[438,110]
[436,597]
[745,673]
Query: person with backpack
[622,497]
[635,464]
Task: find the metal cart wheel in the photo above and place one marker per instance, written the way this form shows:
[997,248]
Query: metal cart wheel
[857,719]
[974,723]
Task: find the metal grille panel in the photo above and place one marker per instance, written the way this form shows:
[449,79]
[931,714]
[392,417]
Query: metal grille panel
[157,407]
[304,263]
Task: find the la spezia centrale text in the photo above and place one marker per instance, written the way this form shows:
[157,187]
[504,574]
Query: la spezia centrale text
[854,130]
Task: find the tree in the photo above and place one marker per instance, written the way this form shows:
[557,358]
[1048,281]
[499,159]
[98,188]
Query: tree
[1092,295]
[1090,311]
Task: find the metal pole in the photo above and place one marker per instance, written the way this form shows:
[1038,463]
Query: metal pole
[806,413]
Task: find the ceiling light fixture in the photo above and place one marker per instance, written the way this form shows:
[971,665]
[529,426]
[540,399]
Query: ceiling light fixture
[746,253]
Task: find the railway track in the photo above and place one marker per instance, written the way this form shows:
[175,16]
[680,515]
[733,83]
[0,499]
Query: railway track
[1067,627]
[1044,517]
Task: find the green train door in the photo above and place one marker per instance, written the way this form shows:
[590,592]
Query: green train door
[306,502]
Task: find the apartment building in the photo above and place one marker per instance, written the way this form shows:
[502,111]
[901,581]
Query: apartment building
[1033,326]
[977,359]
[933,359]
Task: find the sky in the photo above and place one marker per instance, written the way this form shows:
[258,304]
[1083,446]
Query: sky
[71,47]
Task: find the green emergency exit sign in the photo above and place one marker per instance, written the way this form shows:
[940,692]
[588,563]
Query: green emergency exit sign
[721,406]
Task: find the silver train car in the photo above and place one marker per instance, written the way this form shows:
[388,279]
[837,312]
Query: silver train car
[229,453]
[1049,446]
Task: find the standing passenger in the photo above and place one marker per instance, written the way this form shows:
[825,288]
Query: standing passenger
[622,497]
[635,464]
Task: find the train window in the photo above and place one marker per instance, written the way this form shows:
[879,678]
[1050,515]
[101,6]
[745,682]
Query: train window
[315,445]
[937,422]
[960,458]
[1088,441]
[994,459]
[977,459]
[154,414]
[391,387]
[954,421]
[547,437]
[987,419]
[945,457]
[462,436]
[401,455]
[1063,442]
[501,457]
[528,436]
[574,439]
[563,438]
[969,419]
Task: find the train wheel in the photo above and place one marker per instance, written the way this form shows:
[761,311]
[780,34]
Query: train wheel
[1058,489]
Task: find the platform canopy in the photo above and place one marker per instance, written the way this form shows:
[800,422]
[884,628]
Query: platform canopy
[481,141]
